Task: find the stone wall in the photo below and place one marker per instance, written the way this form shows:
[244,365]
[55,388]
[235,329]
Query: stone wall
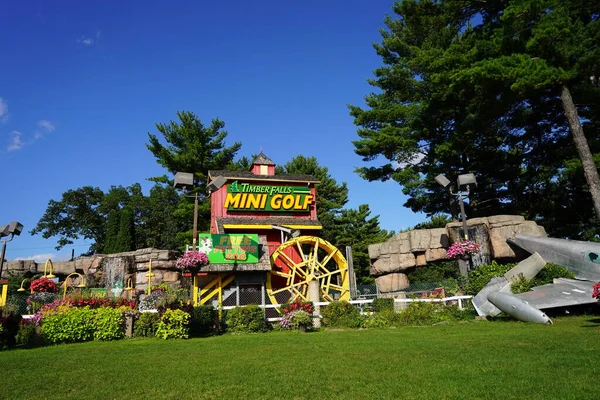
[416,248]
[100,268]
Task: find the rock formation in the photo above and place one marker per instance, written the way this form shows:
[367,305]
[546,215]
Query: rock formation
[416,248]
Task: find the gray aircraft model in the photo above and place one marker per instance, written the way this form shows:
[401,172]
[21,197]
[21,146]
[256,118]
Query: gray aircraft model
[583,258]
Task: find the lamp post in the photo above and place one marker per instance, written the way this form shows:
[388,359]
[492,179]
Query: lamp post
[12,229]
[81,285]
[465,181]
[185,182]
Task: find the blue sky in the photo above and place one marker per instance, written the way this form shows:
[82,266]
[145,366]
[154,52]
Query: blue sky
[83,83]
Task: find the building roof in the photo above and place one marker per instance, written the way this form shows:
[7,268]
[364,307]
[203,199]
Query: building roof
[227,223]
[261,159]
[249,176]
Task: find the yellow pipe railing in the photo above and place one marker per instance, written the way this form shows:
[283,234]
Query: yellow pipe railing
[66,283]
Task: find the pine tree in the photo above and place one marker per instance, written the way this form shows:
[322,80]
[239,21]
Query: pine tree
[126,236]
[112,232]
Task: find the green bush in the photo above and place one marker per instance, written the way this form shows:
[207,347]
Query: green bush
[9,326]
[203,321]
[341,314]
[146,324]
[382,303]
[382,319]
[544,277]
[250,318]
[108,324]
[73,324]
[480,277]
[174,324]
[27,336]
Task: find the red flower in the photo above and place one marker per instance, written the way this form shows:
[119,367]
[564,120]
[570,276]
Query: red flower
[44,285]
[596,292]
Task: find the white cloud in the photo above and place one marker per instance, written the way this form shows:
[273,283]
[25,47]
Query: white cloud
[44,126]
[16,143]
[3,110]
[40,258]
[86,41]
[97,35]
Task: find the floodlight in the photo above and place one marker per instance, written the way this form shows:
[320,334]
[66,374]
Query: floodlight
[4,230]
[466,179]
[15,228]
[442,180]
[295,233]
[216,184]
[183,180]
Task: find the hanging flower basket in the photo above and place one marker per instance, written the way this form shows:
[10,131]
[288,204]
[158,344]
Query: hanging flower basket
[462,250]
[191,260]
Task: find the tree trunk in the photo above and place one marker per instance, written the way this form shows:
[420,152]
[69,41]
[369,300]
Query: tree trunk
[585,155]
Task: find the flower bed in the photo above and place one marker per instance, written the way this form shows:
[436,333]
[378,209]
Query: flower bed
[462,249]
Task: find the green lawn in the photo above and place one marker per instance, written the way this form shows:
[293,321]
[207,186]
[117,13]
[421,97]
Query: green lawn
[491,360]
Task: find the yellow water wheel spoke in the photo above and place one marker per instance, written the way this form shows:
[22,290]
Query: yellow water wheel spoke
[316,259]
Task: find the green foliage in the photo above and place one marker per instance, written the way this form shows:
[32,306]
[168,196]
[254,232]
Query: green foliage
[72,324]
[173,324]
[301,319]
[480,277]
[382,303]
[203,321]
[9,326]
[84,214]
[108,324]
[476,86]
[436,221]
[190,146]
[545,276]
[27,336]
[249,319]
[331,196]
[356,229]
[125,238]
[146,325]
[112,231]
[423,313]
[341,314]
[435,272]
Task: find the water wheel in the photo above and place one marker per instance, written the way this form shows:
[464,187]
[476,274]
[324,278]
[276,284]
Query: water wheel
[298,261]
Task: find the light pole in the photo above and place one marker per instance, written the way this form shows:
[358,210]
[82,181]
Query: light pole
[185,182]
[12,229]
[465,181]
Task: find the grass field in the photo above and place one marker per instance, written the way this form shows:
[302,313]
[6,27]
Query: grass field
[487,360]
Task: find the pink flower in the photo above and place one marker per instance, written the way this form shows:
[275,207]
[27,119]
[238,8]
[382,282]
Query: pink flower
[192,259]
[460,249]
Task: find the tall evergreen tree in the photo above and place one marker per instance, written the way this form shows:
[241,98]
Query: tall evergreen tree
[471,86]
[331,196]
[192,147]
[358,230]
[112,232]
[125,238]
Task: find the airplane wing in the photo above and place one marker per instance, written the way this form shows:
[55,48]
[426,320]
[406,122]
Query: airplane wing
[563,292]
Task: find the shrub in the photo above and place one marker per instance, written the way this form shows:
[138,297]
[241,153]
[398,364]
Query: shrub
[341,314]
[68,324]
[9,326]
[146,324]
[108,324]
[27,335]
[250,318]
[480,277]
[173,324]
[382,319]
[423,313]
[545,276]
[203,320]
[382,303]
